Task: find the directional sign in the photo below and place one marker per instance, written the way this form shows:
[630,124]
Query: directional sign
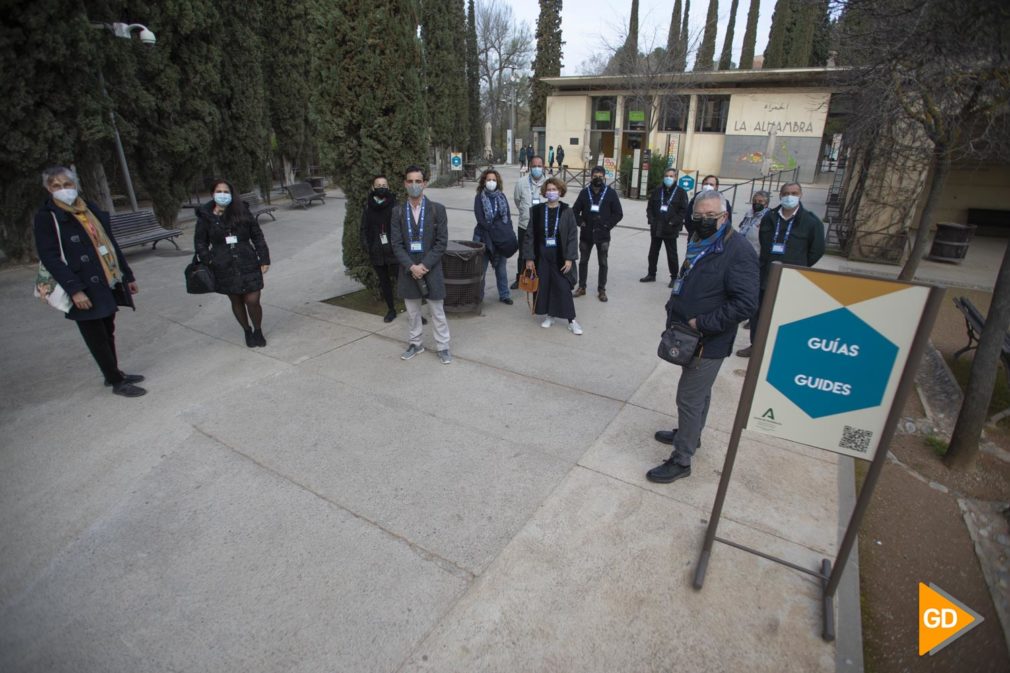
[686,183]
[456,161]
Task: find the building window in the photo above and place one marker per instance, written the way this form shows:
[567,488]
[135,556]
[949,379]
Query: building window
[673,113]
[604,111]
[712,114]
[636,112]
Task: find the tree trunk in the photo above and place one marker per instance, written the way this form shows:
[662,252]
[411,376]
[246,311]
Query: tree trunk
[968,428]
[94,182]
[941,168]
[288,167]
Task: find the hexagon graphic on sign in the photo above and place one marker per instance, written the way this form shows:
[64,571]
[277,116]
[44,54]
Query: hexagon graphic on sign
[831,363]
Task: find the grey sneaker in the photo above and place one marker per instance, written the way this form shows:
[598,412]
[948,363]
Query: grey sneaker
[445,357]
[411,351]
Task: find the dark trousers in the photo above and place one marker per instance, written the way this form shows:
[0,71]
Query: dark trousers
[585,250]
[671,255]
[386,274]
[99,335]
[754,319]
[520,263]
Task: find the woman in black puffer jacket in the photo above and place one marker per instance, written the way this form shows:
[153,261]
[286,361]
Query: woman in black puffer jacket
[230,242]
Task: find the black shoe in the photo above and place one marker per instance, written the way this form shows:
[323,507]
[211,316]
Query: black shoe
[666,437]
[514,286]
[390,316]
[424,321]
[746,325]
[745,352]
[250,337]
[671,284]
[127,389]
[128,378]
[649,278]
[668,471]
[506,300]
[258,338]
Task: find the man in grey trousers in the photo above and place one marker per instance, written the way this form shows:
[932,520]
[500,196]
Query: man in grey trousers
[714,292]
[419,232]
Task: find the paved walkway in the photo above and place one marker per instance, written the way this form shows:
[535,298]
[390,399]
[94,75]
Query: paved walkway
[321,505]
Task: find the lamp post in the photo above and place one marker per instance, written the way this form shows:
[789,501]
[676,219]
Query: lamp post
[514,82]
[123,30]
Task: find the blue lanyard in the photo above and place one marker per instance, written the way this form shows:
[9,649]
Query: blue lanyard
[669,200]
[689,266]
[789,229]
[547,210]
[602,194]
[406,215]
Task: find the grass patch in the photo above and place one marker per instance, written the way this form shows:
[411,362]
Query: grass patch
[366,301]
[1000,394]
[938,444]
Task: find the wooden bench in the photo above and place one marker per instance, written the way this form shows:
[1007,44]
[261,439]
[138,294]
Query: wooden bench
[257,207]
[302,194]
[139,228]
[974,323]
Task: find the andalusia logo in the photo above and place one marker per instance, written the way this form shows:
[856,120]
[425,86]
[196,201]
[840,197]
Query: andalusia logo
[769,415]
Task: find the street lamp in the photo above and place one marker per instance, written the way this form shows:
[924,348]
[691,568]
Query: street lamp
[514,81]
[123,30]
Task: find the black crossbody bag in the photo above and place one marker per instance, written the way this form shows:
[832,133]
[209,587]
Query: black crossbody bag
[680,344]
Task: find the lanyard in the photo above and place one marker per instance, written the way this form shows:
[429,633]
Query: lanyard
[602,194]
[688,266]
[668,201]
[420,226]
[789,229]
[547,211]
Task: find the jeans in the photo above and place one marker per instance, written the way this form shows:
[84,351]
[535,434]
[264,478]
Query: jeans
[501,275]
[585,250]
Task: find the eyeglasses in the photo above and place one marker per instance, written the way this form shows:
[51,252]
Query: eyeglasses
[698,217]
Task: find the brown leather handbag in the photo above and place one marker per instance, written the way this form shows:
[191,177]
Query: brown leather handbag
[529,281]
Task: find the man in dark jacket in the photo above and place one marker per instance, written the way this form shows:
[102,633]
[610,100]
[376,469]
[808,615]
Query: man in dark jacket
[597,210]
[715,291]
[790,234]
[665,213]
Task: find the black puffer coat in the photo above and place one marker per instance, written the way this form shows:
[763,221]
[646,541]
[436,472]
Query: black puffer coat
[236,267]
[374,222]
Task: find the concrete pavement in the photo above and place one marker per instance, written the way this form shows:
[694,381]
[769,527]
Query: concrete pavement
[321,505]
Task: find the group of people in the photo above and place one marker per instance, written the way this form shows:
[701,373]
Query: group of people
[719,285]
[527,153]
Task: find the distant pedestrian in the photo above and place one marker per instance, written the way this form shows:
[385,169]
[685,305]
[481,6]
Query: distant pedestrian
[494,225]
[551,247]
[75,244]
[560,156]
[550,158]
[597,210]
[376,239]
[228,239]
[665,212]
[527,195]
[522,160]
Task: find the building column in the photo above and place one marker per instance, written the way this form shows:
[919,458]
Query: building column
[618,126]
[686,158]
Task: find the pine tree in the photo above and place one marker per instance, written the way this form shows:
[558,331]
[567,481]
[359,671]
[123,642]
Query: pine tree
[547,62]
[706,52]
[750,36]
[626,56]
[775,51]
[473,85]
[685,39]
[444,77]
[673,38]
[726,59]
[367,80]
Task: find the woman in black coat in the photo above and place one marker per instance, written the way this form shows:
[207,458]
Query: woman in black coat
[75,244]
[552,247]
[230,242]
[376,239]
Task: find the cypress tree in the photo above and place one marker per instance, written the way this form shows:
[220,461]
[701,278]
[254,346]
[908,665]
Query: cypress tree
[800,39]
[444,76]
[626,56]
[367,80]
[685,39]
[775,51]
[726,59]
[706,52]
[547,62]
[823,36]
[750,36]
[473,84]
[673,38]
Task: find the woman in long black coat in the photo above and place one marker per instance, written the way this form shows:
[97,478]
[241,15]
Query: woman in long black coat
[230,242]
[75,244]
[375,235]
[552,247]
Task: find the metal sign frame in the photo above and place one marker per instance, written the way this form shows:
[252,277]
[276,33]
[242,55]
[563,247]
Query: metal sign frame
[830,573]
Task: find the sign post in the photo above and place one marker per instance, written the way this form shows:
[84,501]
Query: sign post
[834,359]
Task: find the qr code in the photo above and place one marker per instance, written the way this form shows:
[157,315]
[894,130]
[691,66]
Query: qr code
[855,439]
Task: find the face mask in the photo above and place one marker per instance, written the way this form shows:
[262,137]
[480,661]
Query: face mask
[668,182]
[67,196]
[706,227]
[537,172]
[553,196]
[790,202]
[597,181]
[491,185]
[380,194]
[705,188]
[758,207]
[415,190]
[222,199]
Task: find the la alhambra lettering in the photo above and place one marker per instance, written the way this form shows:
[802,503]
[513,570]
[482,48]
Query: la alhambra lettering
[777,126]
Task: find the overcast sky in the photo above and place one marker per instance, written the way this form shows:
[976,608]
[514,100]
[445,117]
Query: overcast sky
[595,26]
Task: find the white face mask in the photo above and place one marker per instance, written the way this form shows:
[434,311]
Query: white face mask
[491,185]
[67,196]
[707,187]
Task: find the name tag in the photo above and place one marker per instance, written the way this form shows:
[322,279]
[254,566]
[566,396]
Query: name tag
[551,242]
[231,240]
[663,209]
[536,202]
[678,286]
[383,239]
[778,248]
[102,250]
[415,246]
[594,208]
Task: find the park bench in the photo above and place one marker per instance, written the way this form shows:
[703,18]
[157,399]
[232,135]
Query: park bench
[302,194]
[974,323]
[139,228]
[257,207]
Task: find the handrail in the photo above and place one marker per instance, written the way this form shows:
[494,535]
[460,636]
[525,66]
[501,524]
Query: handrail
[771,183]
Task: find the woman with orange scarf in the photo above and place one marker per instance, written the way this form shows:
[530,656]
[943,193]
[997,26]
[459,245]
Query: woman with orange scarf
[75,243]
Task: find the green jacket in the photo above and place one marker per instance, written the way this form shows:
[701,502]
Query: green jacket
[804,246]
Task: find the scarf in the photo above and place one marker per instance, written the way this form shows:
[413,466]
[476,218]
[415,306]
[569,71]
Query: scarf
[751,219]
[696,247]
[499,198]
[99,239]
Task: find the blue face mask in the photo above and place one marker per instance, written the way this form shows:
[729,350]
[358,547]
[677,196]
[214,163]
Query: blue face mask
[537,172]
[222,199]
[789,202]
[668,181]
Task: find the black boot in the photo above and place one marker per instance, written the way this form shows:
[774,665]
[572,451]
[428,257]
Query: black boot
[250,337]
[258,338]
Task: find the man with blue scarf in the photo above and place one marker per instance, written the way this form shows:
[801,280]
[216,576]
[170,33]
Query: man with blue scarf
[716,290]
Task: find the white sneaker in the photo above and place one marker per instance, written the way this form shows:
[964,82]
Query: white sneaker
[548,321]
[575,328]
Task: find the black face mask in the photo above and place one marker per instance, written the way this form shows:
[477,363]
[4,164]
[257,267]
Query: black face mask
[758,207]
[381,193]
[597,181]
[705,227]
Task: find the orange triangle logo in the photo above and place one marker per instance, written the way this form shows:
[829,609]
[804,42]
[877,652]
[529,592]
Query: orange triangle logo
[942,619]
[848,290]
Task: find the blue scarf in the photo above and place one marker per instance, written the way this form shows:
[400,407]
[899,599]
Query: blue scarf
[695,248]
[502,205]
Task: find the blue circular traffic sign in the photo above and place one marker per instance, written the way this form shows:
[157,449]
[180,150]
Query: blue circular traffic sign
[686,183]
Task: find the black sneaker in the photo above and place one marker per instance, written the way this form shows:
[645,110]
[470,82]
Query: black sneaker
[649,278]
[506,300]
[390,316]
[250,337]
[129,378]
[127,390]
[667,472]
[671,283]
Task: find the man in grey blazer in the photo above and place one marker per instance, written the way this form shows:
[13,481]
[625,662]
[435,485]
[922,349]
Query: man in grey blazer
[420,234]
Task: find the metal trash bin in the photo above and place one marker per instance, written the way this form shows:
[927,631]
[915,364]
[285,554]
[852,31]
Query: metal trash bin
[950,244]
[462,266]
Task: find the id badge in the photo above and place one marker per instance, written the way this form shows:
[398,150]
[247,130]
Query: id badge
[663,209]
[536,202]
[778,248]
[551,242]
[594,208]
[102,250]
[678,286]
[415,246]
[383,239]
[231,240]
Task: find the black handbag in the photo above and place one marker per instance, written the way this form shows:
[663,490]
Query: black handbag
[199,279]
[680,344]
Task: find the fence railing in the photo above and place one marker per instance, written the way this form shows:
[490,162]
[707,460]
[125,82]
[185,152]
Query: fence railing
[771,183]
